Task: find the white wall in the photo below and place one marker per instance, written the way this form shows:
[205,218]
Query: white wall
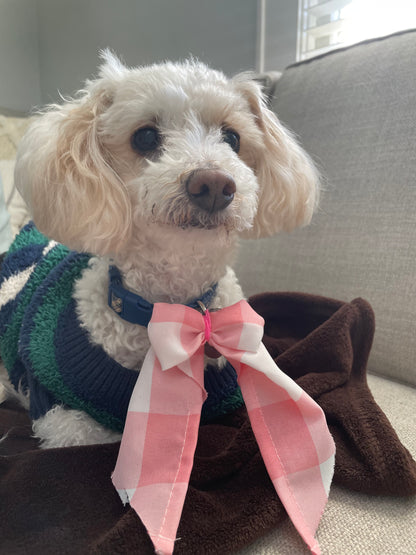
[19,61]
[48,46]
[221,33]
[281,34]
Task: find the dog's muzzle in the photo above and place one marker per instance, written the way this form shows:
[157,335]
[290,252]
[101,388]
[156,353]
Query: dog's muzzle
[210,190]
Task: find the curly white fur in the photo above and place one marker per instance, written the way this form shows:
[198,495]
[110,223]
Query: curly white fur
[89,189]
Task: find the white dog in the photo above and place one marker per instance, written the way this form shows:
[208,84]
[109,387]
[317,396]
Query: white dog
[157,171]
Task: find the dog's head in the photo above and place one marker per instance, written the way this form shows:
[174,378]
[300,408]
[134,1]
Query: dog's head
[172,145]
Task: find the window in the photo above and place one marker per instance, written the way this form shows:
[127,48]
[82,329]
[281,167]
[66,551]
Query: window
[327,24]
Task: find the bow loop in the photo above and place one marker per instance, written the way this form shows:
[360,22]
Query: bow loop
[176,333]
[236,328]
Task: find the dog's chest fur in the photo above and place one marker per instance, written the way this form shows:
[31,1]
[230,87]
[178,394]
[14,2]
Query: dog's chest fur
[128,343]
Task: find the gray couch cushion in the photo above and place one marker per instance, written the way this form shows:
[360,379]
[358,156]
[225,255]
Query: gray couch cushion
[354,111]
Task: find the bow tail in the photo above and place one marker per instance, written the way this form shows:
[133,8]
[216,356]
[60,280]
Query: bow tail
[157,449]
[293,437]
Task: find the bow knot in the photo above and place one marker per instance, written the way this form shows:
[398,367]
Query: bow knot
[159,440]
[178,333]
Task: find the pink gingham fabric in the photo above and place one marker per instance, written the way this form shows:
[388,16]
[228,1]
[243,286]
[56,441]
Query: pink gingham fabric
[161,431]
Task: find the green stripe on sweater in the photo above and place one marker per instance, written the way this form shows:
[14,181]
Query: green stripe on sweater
[28,236]
[10,339]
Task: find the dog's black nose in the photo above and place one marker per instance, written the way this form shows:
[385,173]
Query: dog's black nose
[211,190]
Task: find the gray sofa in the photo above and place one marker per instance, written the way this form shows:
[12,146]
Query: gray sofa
[354,110]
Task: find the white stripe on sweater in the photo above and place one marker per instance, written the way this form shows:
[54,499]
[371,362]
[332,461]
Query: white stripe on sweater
[12,286]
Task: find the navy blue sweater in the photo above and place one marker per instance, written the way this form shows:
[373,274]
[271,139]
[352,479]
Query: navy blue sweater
[46,351]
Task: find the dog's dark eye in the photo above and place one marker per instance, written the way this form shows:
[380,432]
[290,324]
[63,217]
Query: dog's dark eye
[232,138]
[145,140]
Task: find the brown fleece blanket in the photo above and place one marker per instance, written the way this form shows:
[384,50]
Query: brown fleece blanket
[62,500]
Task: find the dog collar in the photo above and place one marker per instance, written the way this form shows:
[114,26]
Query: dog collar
[136,310]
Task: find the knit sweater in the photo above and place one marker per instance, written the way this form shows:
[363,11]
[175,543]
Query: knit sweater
[47,352]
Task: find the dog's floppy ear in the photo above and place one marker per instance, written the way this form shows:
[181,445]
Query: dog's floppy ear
[65,174]
[288,179]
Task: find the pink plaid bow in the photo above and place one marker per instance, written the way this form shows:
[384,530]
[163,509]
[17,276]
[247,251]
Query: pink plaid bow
[161,431]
